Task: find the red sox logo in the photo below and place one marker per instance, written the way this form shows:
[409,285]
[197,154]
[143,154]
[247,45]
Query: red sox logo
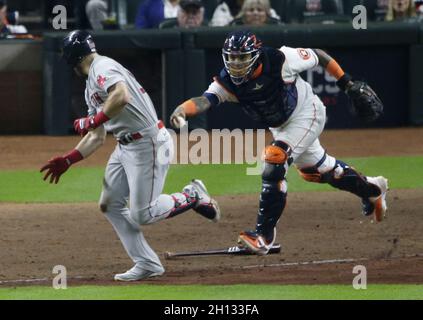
[101,80]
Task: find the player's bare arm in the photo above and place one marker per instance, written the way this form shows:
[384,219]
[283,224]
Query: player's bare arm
[333,68]
[189,108]
[87,146]
[92,141]
[118,98]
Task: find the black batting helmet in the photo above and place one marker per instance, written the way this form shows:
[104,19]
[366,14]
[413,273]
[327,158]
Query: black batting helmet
[77,45]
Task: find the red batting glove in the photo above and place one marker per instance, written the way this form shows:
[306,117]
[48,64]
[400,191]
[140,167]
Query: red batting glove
[83,125]
[57,166]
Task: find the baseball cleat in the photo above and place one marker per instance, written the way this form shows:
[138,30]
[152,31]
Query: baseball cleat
[376,205]
[206,206]
[255,242]
[137,273]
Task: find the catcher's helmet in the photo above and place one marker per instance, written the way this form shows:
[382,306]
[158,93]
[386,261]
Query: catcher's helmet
[76,45]
[240,54]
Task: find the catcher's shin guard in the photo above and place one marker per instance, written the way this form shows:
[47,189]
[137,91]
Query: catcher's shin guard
[343,177]
[274,187]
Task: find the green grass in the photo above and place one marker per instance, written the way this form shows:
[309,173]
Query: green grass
[84,184]
[201,292]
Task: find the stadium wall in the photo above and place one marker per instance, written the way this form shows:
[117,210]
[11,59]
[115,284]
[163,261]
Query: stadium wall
[175,64]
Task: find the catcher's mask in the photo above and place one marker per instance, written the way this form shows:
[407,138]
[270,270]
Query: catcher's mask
[240,55]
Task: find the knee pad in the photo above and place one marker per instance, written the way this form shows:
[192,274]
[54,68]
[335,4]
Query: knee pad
[277,158]
[316,172]
[342,177]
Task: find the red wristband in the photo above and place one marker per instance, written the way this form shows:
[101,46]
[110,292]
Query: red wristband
[100,118]
[73,156]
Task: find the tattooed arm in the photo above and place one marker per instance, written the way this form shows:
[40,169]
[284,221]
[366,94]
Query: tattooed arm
[334,69]
[189,108]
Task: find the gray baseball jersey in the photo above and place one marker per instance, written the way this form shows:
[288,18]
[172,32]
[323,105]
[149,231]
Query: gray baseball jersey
[134,171]
[137,115]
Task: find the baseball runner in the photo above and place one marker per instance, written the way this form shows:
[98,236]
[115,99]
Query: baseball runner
[137,167]
[266,83]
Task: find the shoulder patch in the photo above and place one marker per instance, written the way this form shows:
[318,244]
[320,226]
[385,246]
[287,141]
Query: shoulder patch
[304,54]
[101,80]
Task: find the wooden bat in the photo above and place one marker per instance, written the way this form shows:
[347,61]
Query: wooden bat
[276,248]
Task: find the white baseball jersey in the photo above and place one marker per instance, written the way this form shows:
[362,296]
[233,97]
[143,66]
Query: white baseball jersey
[137,115]
[296,61]
[302,129]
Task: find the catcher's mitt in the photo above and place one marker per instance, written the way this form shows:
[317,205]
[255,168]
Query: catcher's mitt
[365,102]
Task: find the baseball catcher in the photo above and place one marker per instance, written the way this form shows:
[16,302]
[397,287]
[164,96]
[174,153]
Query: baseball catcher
[267,85]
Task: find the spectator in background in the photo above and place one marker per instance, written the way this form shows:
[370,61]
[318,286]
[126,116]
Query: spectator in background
[305,11]
[9,24]
[190,15]
[227,10]
[376,9]
[419,8]
[3,21]
[255,13]
[97,12]
[152,12]
[401,10]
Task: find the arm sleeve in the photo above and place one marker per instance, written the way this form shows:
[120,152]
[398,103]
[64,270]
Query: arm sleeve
[220,92]
[297,61]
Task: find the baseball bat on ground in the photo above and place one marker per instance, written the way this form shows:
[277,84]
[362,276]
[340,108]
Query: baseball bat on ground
[276,248]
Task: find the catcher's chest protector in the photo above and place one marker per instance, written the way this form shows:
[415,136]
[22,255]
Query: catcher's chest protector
[266,98]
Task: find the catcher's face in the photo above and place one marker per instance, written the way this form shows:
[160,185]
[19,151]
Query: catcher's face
[238,65]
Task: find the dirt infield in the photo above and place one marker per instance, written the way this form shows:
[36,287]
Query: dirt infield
[324,227]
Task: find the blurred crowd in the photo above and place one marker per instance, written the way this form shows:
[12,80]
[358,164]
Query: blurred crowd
[147,14]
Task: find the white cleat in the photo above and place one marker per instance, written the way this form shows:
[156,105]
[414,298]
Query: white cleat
[379,202]
[137,273]
[207,207]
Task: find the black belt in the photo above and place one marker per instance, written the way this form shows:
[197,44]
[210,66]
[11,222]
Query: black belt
[131,137]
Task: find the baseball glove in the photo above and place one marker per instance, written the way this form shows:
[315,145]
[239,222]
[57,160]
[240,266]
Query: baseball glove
[366,105]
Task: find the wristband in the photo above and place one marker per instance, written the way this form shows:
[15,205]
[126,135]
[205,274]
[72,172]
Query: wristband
[99,119]
[73,156]
[343,81]
[334,69]
[190,108]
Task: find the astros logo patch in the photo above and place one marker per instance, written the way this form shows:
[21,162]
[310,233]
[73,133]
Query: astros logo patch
[304,54]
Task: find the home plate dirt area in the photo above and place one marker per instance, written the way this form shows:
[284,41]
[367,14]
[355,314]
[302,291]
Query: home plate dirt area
[323,234]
